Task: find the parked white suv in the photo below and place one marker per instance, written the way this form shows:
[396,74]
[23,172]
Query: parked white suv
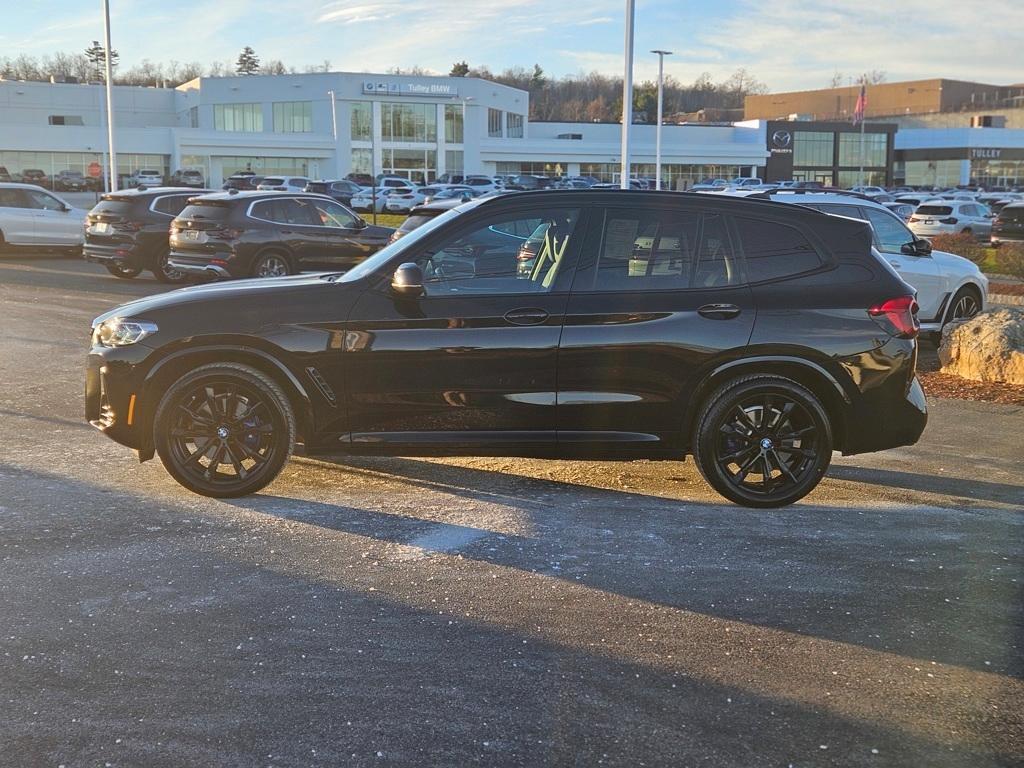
[33,216]
[147,177]
[949,287]
[937,217]
[284,183]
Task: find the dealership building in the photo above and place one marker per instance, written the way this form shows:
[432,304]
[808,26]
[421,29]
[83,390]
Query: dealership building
[325,125]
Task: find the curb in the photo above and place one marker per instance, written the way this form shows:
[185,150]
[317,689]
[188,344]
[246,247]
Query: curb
[1005,299]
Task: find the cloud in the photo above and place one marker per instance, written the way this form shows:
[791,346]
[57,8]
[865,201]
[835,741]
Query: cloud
[598,20]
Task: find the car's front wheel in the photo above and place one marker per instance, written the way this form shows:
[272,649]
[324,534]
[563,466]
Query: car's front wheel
[965,305]
[123,272]
[224,430]
[164,272]
[763,441]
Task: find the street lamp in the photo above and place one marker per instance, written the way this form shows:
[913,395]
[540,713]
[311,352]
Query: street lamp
[627,94]
[464,99]
[334,132]
[110,96]
[657,130]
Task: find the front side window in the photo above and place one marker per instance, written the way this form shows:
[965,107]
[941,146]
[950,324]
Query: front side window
[334,215]
[43,201]
[774,251]
[890,233]
[664,250]
[517,253]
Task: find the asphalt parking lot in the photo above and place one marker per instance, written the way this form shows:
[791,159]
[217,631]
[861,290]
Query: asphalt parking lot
[491,611]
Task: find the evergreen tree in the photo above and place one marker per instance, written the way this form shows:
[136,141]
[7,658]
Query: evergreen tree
[248,62]
[96,55]
[459,69]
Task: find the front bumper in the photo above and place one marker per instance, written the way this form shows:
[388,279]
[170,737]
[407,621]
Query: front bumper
[113,392]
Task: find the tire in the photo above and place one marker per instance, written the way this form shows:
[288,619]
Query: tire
[163,273]
[236,418]
[966,303]
[272,264]
[125,273]
[789,456]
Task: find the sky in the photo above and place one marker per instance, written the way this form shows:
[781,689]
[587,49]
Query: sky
[787,44]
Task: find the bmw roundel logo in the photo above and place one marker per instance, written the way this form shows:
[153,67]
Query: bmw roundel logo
[782,139]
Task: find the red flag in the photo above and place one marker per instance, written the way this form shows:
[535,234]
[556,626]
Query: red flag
[861,106]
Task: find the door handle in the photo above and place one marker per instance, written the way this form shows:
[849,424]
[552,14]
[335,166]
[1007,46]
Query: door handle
[528,316]
[719,311]
[895,264]
[285,231]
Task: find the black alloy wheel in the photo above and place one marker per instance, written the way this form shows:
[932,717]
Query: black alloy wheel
[965,305]
[272,265]
[224,430]
[164,272]
[123,272]
[765,441]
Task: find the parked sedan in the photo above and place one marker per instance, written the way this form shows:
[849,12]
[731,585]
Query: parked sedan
[269,234]
[126,231]
[949,216]
[32,216]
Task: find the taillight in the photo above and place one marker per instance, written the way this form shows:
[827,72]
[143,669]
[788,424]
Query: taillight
[901,313]
[950,220]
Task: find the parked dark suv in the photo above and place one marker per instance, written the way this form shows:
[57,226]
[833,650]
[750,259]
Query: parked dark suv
[127,231]
[1008,225]
[755,335]
[269,234]
[341,189]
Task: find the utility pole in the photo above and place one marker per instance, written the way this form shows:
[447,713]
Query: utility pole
[657,130]
[627,94]
[334,132]
[110,96]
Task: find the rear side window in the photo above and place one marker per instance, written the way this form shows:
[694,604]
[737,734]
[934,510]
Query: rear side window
[11,198]
[171,205]
[664,250]
[286,211]
[205,212]
[774,251]
[934,210]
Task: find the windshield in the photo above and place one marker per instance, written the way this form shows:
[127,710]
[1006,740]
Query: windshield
[388,252]
[1013,214]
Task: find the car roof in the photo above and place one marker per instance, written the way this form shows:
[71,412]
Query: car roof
[256,194]
[20,185]
[810,196]
[145,191]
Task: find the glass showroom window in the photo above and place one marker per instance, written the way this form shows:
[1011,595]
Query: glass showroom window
[409,122]
[362,161]
[874,149]
[453,124]
[514,125]
[293,117]
[193,117]
[417,165]
[813,148]
[247,118]
[494,123]
[361,125]
[453,162]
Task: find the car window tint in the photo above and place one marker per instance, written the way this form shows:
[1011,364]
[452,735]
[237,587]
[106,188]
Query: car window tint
[717,263]
[934,210]
[890,233]
[12,198]
[644,250]
[334,215]
[774,250]
[489,259]
[172,205]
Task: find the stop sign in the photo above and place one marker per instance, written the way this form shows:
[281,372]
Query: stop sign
[95,170]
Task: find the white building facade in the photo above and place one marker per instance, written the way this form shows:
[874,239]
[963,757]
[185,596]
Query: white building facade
[326,125]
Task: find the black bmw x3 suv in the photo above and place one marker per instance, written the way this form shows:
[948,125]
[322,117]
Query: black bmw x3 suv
[269,234]
[127,231]
[756,336]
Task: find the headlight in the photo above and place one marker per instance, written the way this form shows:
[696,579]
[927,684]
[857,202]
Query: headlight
[118,332]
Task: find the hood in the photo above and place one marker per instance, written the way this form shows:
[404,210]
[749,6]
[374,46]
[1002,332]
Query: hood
[253,292]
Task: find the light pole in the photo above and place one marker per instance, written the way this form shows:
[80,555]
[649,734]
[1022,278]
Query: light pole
[627,94]
[110,96]
[464,100]
[334,132]
[657,130]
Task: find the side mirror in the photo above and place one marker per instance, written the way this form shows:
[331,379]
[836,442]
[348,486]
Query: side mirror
[466,197]
[407,281]
[922,247]
[360,224]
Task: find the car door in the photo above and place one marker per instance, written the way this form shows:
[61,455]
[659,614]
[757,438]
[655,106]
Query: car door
[978,220]
[921,271]
[343,244]
[54,222]
[471,363]
[17,217]
[659,293]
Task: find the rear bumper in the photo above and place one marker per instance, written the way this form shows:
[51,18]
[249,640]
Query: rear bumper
[214,266]
[121,253]
[1006,237]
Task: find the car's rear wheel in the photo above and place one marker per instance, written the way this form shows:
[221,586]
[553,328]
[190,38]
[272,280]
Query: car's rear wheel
[763,441]
[224,430]
[125,273]
[272,264]
[164,272]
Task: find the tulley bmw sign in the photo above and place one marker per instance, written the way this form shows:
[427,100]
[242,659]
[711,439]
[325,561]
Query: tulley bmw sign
[409,89]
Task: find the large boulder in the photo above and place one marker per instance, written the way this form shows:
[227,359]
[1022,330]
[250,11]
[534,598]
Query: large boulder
[988,347]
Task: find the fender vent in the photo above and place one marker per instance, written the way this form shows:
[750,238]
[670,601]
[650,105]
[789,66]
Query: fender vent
[322,385]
